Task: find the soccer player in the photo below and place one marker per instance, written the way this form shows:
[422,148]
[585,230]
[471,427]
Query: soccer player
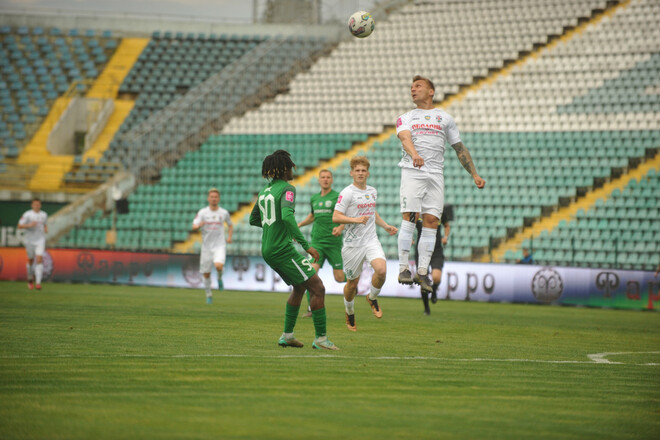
[424,132]
[34,223]
[356,208]
[211,220]
[438,257]
[274,212]
[326,235]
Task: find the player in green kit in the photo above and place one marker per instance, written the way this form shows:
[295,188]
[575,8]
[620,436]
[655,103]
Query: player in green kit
[274,212]
[326,235]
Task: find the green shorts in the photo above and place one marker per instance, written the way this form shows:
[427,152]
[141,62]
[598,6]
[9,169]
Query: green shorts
[292,267]
[330,252]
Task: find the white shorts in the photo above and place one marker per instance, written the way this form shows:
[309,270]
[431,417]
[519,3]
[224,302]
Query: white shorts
[422,192]
[35,248]
[209,257]
[353,258]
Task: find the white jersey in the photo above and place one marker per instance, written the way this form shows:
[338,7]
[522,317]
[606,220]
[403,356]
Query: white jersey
[213,231]
[38,232]
[431,130]
[356,202]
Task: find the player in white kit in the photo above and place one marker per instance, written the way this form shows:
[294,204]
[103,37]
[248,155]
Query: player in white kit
[356,208]
[34,224]
[424,133]
[211,220]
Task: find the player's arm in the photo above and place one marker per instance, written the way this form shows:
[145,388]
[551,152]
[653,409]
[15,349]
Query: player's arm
[307,220]
[287,210]
[255,216]
[446,236]
[230,229]
[197,222]
[383,224]
[343,219]
[407,143]
[466,160]
[22,224]
[337,230]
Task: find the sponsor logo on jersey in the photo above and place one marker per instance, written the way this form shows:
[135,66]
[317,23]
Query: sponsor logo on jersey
[339,199]
[427,117]
[289,196]
[366,196]
[399,122]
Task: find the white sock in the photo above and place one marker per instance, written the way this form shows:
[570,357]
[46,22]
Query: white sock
[30,274]
[426,247]
[373,292]
[39,272]
[207,285]
[287,335]
[405,241]
[350,307]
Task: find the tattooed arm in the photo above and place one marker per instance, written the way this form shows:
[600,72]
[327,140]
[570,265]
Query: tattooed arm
[466,160]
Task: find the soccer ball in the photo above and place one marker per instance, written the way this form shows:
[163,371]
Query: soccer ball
[361,24]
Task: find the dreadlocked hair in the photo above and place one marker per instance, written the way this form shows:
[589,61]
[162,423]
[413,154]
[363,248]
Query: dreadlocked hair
[276,165]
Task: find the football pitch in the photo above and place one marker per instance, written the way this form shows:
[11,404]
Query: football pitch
[124,362]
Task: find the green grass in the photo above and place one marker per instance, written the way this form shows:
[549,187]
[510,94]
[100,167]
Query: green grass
[124,362]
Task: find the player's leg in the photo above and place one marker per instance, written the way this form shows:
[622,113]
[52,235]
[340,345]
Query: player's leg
[316,291]
[205,265]
[377,280]
[39,250]
[30,248]
[436,277]
[432,205]
[333,255]
[410,199]
[353,258]
[291,316]
[308,314]
[219,258]
[424,294]
[350,292]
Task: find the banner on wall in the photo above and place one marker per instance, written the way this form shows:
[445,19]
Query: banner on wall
[627,289]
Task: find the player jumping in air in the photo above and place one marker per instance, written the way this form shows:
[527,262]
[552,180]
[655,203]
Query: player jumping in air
[424,132]
[356,208]
[274,212]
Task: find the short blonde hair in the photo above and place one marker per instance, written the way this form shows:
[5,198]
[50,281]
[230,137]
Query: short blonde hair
[359,160]
[213,190]
[422,78]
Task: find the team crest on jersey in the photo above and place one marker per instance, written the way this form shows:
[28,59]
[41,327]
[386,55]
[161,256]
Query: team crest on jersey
[438,118]
[328,203]
[427,117]
[289,196]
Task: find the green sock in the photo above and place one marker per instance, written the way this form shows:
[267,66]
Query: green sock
[318,316]
[308,302]
[290,316]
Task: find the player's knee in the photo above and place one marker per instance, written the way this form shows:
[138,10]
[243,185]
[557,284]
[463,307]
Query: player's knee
[40,259]
[340,277]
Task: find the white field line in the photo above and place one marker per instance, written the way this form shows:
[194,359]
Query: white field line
[600,358]
[596,358]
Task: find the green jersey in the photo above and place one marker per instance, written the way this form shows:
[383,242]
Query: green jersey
[323,208]
[275,213]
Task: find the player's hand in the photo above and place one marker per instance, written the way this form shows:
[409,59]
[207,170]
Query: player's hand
[314,253]
[392,230]
[479,181]
[444,240]
[417,161]
[336,231]
[361,220]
